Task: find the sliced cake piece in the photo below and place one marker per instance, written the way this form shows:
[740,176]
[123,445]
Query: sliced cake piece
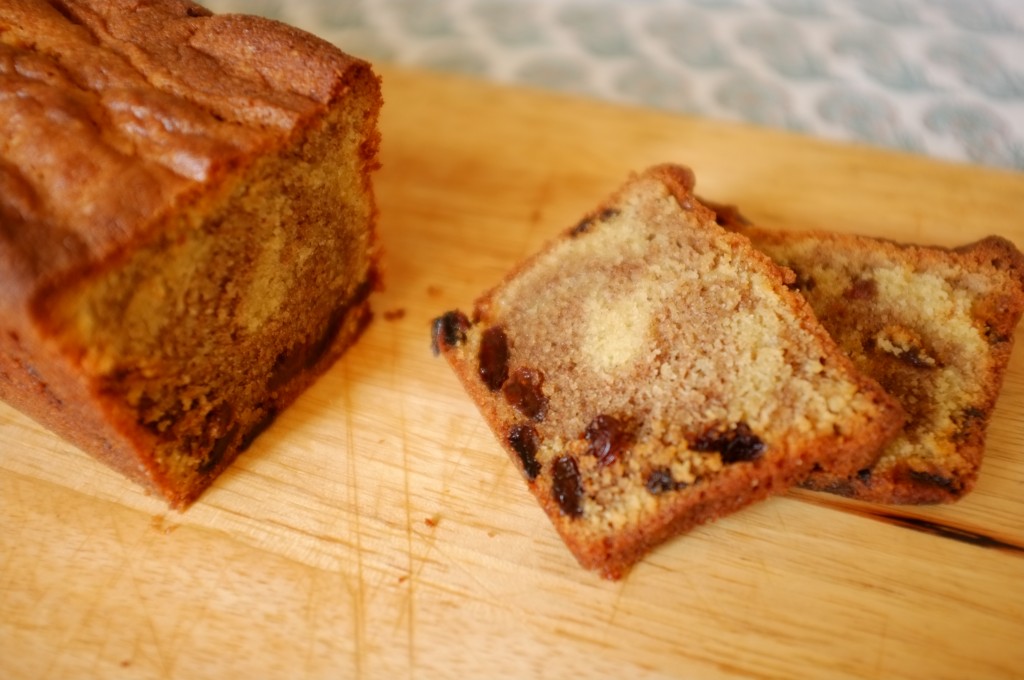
[934,326]
[649,371]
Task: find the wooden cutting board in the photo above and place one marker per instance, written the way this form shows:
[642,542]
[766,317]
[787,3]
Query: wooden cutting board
[378,531]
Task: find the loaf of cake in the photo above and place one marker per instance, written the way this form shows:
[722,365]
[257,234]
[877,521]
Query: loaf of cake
[934,326]
[187,228]
[648,371]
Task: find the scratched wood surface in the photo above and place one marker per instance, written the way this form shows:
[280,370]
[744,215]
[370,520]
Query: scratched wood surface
[378,531]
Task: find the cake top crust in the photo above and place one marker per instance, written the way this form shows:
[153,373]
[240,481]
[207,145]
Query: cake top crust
[116,112]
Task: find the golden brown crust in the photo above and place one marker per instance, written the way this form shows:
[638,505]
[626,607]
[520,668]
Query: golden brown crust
[153,153]
[658,373]
[935,326]
[160,101]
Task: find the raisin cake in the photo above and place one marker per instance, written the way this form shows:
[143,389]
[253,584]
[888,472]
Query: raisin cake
[934,326]
[187,228]
[649,371]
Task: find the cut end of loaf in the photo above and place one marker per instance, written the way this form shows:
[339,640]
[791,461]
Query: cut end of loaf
[197,341]
[187,226]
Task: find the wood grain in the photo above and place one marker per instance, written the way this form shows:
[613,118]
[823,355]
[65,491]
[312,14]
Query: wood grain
[377,531]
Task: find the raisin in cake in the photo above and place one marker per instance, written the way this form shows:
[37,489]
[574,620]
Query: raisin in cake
[649,371]
[186,226]
[934,326]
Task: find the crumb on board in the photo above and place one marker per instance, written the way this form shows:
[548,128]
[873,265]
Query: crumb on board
[160,524]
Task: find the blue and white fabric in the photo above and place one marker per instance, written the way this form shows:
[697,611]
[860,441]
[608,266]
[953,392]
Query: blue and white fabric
[943,78]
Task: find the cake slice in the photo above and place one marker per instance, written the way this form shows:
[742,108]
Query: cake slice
[934,326]
[648,371]
[187,228]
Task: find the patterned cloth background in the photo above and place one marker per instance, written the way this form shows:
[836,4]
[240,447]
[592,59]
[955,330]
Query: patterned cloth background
[938,77]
